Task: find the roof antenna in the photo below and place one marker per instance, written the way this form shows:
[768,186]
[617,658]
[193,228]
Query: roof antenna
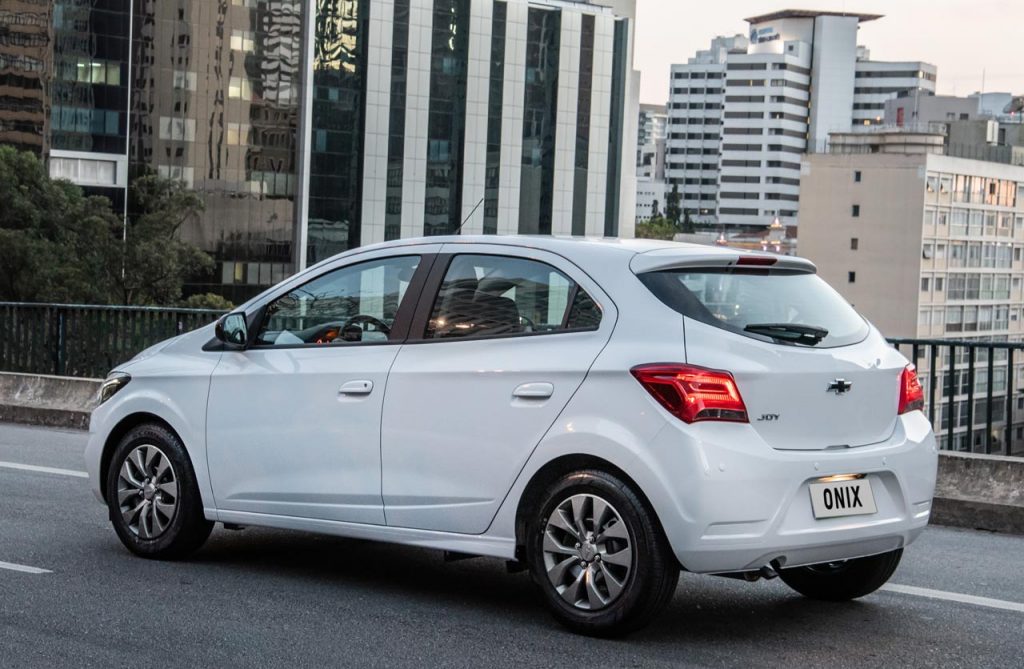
[459,229]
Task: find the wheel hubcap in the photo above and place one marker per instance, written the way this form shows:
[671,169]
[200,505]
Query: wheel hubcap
[588,552]
[147,491]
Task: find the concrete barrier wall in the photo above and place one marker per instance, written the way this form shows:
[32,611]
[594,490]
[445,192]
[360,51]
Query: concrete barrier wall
[53,401]
[980,492]
[974,491]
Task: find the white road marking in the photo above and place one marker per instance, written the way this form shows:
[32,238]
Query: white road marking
[955,597]
[23,568]
[890,587]
[44,470]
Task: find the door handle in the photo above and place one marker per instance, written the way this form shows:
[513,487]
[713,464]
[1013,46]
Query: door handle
[534,391]
[356,388]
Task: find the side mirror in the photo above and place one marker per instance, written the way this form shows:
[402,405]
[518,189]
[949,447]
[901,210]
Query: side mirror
[233,330]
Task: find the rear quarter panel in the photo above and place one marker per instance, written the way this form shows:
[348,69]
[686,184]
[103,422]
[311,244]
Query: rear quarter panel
[611,416]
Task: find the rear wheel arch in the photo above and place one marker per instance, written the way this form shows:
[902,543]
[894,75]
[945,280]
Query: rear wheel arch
[126,425]
[532,496]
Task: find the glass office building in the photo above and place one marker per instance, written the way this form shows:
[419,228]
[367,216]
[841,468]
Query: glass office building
[310,127]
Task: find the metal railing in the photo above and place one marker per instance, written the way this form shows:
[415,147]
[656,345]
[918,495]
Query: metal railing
[972,392]
[85,340]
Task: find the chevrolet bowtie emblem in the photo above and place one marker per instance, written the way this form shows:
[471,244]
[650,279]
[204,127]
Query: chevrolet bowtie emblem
[840,386]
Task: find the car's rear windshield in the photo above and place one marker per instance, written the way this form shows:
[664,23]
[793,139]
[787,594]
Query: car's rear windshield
[785,307]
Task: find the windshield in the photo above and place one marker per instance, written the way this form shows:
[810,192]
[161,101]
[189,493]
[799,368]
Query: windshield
[761,304]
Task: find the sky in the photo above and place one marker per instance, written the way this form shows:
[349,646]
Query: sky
[961,37]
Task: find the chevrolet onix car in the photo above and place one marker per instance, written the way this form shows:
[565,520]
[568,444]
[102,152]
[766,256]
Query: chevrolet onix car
[602,413]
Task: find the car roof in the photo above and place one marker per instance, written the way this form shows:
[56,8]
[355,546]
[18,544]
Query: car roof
[641,255]
[563,245]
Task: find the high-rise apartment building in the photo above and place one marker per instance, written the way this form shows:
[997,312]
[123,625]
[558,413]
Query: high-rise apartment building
[312,127]
[652,128]
[743,111]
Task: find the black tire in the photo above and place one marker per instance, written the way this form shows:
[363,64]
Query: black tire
[651,580]
[842,581]
[183,531]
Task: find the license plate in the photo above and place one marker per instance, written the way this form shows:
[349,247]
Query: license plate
[842,498]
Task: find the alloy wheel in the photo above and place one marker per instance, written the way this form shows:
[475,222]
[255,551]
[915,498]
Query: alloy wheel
[147,491]
[588,553]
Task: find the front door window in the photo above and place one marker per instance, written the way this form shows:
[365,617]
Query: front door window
[351,305]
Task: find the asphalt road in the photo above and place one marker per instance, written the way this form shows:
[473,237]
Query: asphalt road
[274,598]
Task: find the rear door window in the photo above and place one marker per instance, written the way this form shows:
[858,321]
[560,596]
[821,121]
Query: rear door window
[503,296]
[784,307]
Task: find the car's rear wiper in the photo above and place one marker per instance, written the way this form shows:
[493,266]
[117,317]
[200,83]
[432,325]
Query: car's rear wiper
[790,332]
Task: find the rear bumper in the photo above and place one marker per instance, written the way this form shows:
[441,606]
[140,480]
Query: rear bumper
[741,507]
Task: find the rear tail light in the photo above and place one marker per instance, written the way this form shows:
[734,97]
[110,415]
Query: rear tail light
[911,392]
[693,394]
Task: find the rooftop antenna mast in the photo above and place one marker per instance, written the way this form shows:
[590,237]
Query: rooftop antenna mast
[459,229]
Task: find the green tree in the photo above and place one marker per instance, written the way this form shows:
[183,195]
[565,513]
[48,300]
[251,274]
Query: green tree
[673,208]
[208,301]
[156,260]
[687,226]
[656,228]
[58,245]
[54,241]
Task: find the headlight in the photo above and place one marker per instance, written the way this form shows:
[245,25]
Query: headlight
[115,381]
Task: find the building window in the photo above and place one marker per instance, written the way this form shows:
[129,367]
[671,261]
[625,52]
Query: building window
[856,176]
[583,108]
[616,126]
[495,108]
[925,281]
[446,125]
[938,284]
[855,211]
[183,80]
[396,121]
[854,243]
[851,277]
[239,87]
[540,114]
[84,170]
[178,129]
[243,40]
[339,105]
[237,133]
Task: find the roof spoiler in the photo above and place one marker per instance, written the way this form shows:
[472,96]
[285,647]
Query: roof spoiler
[665,259]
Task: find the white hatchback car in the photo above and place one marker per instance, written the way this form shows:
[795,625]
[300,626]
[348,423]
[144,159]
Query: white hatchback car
[602,413]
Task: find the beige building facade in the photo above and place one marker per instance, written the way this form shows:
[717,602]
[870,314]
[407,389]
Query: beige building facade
[924,245]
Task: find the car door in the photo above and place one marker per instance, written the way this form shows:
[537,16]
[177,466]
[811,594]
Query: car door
[505,337]
[294,421]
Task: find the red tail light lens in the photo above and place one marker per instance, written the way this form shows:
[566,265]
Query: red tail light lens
[693,394]
[911,392]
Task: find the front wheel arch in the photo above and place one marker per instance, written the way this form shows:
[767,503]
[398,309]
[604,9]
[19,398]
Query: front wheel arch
[126,425]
